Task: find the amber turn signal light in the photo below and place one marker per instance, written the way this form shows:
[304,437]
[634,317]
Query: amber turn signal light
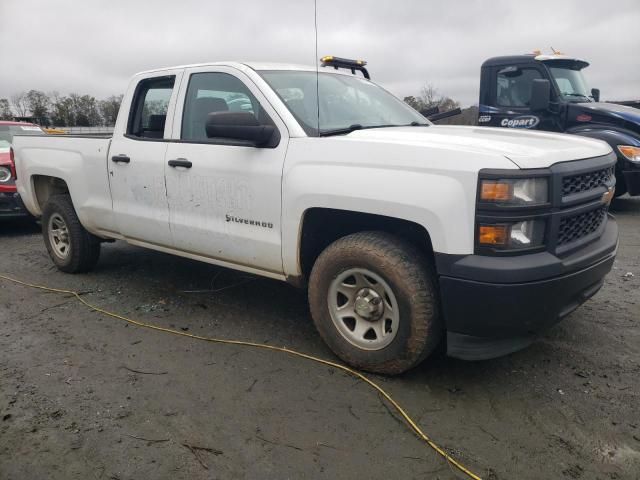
[496,191]
[493,234]
[630,152]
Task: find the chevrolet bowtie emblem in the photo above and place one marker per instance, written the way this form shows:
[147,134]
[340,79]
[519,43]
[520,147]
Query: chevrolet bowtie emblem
[608,195]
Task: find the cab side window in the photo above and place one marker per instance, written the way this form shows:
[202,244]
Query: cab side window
[149,111]
[514,86]
[215,92]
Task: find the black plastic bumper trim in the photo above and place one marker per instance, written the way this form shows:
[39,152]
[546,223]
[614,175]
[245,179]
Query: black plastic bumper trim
[11,206]
[515,310]
[632,181]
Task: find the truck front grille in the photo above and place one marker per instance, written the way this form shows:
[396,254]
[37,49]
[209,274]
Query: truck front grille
[587,181]
[579,226]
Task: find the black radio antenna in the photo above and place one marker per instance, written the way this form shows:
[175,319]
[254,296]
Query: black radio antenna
[315,22]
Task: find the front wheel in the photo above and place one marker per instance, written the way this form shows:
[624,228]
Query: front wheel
[72,248]
[373,300]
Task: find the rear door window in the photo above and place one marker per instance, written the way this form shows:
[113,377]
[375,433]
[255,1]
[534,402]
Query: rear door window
[150,104]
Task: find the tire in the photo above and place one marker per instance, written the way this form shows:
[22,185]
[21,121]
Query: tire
[411,326]
[72,248]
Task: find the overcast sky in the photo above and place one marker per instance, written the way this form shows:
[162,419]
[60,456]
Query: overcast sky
[93,46]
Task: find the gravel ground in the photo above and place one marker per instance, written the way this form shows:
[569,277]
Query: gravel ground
[85,396]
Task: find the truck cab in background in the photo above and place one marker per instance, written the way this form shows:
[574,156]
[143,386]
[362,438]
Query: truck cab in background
[549,93]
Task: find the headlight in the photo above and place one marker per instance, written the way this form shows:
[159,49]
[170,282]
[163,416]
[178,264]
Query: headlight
[512,236]
[5,174]
[522,192]
[630,153]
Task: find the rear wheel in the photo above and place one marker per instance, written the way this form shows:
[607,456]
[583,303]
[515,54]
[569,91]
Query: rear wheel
[373,299]
[71,247]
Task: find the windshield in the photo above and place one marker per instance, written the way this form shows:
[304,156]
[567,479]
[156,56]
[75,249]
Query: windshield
[571,84]
[8,131]
[346,102]
[4,145]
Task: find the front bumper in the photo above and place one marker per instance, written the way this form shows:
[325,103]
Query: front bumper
[632,181]
[11,206]
[493,306]
[628,174]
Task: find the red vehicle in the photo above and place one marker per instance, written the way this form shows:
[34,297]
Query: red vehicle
[10,203]
[9,129]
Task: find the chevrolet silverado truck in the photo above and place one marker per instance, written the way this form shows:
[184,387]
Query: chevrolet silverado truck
[407,235]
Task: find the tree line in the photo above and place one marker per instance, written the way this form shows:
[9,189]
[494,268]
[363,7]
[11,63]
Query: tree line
[74,110]
[430,98]
[54,109]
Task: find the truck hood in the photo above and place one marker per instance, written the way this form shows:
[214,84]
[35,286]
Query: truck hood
[625,112]
[524,148]
[601,114]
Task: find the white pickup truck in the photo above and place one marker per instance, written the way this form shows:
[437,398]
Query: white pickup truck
[407,235]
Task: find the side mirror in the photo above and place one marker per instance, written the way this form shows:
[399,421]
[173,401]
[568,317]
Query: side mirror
[595,93]
[239,126]
[540,95]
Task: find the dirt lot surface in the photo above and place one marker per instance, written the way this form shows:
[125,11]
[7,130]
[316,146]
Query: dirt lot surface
[84,396]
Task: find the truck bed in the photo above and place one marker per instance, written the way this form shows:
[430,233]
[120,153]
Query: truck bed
[78,162]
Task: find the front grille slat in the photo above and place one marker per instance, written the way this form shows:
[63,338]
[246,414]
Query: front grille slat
[586,181]
[575,227]
[582,187]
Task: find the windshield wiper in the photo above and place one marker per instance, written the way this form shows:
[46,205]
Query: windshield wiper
[341,131]
[357,126]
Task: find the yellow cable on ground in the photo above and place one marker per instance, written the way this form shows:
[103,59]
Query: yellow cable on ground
[412,425]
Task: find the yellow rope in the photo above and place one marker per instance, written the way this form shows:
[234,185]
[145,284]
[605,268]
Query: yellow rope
[412,424]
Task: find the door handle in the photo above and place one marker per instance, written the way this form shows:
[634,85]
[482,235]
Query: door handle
[180,162]
[120,159]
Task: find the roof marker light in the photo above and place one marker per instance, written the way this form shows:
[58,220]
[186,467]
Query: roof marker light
[353,65]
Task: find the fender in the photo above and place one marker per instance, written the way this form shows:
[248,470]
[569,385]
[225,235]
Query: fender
[613,136]
[80,162]
[391,180]
[40,165]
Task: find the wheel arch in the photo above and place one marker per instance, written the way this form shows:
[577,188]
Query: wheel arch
[320,227]
[44,186]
